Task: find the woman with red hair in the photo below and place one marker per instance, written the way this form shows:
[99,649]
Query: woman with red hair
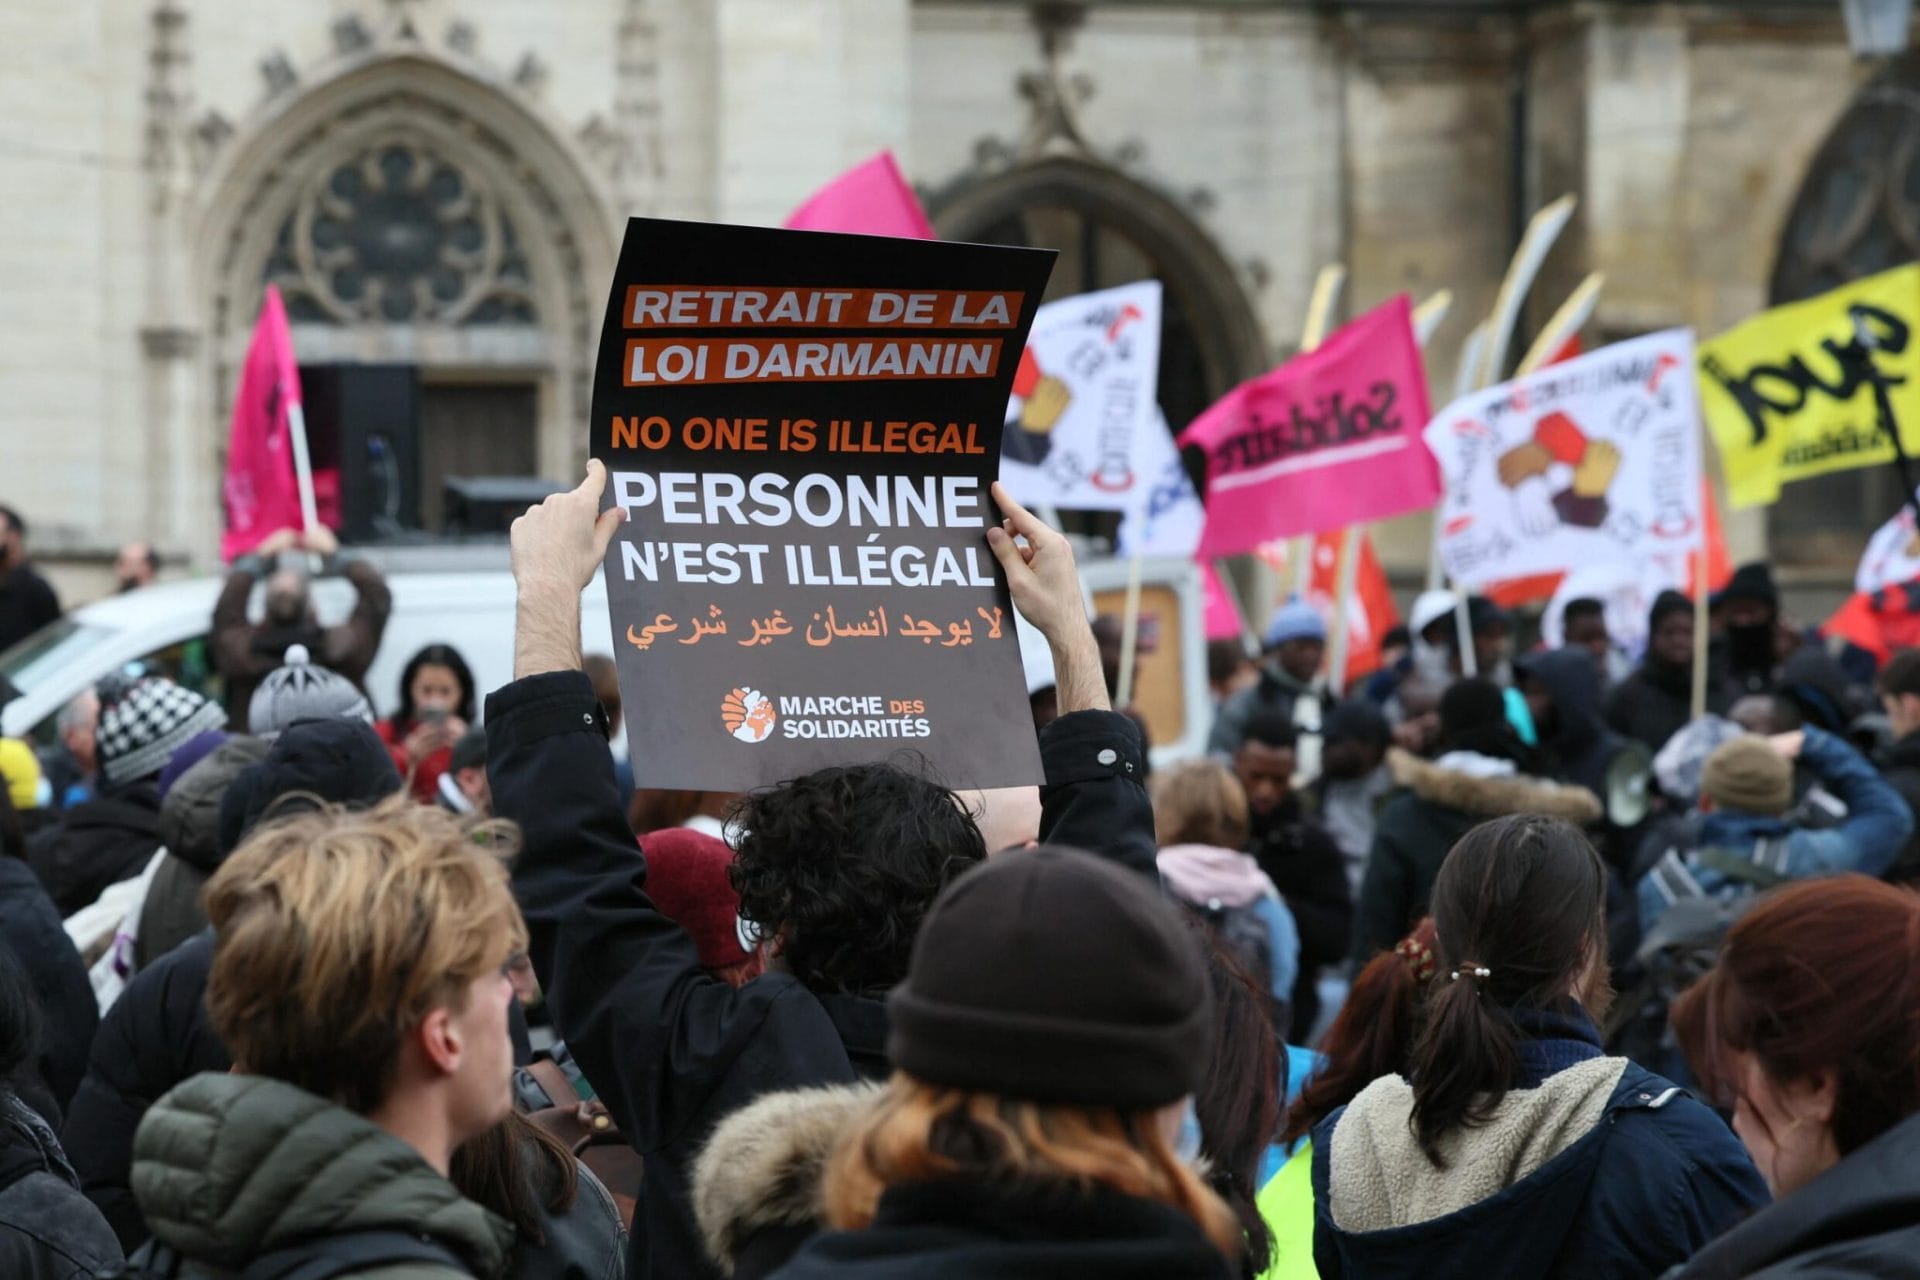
[1809,1030]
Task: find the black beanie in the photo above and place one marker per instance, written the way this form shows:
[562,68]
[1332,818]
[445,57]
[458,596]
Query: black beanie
[1052,976]
[339,761]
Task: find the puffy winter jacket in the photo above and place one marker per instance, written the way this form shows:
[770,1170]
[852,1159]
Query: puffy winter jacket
[190,830]
[227,1168]
[1439,803]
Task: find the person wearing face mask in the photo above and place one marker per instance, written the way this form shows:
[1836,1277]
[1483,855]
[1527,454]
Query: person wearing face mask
[1290,687]
[1808,1029]
[245,651]
[436,708]
[1746,614]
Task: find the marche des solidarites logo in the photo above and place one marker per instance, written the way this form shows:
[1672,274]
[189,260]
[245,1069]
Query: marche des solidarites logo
[748,715]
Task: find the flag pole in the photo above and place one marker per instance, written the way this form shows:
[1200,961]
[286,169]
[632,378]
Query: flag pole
[1320,307]
[1426,319]
[1542,230]
[1700,631]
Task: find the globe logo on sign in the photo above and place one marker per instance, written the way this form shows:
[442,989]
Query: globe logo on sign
[748,715]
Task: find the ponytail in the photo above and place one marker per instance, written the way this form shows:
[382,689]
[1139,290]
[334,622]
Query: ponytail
[1464,1061]
[1519,909]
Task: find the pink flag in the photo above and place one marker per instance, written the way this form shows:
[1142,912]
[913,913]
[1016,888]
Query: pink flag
[1329,439]
[260,492]
[1223,620]
[870,199]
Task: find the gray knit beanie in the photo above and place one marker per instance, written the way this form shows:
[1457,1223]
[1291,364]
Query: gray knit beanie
[302,690]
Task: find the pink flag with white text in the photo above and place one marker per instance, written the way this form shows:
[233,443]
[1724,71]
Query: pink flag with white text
[870,199]
[260,493]
[1331,438]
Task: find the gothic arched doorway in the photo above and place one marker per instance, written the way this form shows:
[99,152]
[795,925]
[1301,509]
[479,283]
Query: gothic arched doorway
[413,214]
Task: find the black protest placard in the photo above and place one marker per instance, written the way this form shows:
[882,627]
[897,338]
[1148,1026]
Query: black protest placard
[802,428]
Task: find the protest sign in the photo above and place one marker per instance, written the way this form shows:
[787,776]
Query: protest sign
[1083,427]
[1329,439]
[1794,392]
[802,428]
[1582,463]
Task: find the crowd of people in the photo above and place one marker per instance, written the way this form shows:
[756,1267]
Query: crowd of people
[1523,972]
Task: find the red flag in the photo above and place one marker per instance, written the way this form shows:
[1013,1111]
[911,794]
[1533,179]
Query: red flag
[1879,622]
[260,492]
[1714,539]
[870,199]
[1370,614]
[1330,439]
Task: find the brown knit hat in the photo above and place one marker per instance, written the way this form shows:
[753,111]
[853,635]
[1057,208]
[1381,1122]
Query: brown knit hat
[1749,775]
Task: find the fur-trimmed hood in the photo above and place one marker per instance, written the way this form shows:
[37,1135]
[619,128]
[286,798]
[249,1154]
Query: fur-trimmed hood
[761,1170]
[1492,797]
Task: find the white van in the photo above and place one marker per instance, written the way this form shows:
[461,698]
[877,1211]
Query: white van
[463,596]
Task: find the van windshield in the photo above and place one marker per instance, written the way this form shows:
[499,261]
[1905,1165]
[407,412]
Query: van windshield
[49,649]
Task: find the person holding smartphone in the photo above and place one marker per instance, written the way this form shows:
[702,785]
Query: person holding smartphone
[436,706]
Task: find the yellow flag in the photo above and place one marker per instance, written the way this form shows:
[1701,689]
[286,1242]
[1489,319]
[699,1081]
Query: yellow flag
[1793,392]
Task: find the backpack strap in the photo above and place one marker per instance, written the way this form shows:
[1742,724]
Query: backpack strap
[323,1257]
[1762,868]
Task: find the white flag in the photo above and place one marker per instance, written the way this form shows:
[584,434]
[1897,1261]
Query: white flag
[1168,520]
[1593,461]
[1084,402]
[1892,557]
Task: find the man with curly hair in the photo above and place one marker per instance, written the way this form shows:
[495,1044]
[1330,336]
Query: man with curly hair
[835,873]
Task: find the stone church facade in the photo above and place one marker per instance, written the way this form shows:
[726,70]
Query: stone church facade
[443,184]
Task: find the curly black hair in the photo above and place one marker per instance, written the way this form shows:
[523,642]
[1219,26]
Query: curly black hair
[844,863]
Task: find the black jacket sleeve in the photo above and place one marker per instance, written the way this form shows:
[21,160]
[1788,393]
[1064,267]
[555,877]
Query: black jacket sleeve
[652,1031]
[1093,798]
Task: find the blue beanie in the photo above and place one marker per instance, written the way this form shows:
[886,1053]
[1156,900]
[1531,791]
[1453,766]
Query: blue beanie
[1295,620]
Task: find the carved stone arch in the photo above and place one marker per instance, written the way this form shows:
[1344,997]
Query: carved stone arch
[1857,213]
[1209,316]
[517,168]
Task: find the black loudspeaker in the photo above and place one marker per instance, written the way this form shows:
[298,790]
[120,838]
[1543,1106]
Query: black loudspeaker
[364,421]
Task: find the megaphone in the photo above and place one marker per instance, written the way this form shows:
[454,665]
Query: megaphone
[1628,785]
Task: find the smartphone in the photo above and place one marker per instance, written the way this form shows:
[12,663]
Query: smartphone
[433,715]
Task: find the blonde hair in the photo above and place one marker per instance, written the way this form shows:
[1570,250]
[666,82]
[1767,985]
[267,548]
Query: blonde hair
[336,932]
[920,1132]
[1199,802]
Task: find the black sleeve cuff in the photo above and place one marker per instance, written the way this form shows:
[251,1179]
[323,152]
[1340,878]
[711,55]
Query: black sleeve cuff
[544,706]
[1086,746]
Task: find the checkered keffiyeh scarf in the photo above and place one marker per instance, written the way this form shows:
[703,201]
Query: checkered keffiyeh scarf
[143,726]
